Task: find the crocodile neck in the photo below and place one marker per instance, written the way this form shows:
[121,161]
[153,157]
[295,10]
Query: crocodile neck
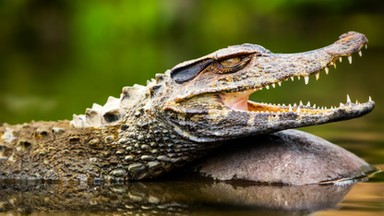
[58,151]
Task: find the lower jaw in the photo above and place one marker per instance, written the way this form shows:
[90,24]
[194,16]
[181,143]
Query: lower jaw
[257,107]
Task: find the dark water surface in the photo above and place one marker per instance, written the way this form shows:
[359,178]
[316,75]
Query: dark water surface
[192,197]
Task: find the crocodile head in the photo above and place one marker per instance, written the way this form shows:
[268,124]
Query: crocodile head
[209,97]
[206,100]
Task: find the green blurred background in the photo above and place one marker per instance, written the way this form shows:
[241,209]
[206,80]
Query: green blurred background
[57,57]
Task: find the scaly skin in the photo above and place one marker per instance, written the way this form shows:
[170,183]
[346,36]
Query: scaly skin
[176,118]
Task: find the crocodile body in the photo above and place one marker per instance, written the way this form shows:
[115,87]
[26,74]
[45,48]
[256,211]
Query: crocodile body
[176,118]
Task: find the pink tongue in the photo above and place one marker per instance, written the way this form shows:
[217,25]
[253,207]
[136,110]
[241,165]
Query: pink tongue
[236,101]
[239,105]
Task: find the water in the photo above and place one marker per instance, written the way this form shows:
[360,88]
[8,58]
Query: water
[192,198]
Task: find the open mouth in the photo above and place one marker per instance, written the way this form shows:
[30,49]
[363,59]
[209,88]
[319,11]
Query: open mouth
[240,100]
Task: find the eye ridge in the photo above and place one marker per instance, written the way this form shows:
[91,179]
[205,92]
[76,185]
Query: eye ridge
[232,64]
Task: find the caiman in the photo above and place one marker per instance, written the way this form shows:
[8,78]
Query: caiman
[177,117]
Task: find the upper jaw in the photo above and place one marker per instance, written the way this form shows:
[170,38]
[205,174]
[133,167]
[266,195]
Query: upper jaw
[272,69]
[268,69]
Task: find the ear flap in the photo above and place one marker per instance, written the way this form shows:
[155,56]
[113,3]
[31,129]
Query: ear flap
[188,72]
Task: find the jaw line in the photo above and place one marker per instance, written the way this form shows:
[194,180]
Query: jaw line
[239,101]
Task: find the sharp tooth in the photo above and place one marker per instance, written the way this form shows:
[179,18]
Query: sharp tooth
[309,103]
[334,65]
[295,105]
[341,104]
[298,77]
[317,76]
[301,103]
[366,46]
[267,87]
[360,53]
[326,70]
[348,99]
[350,59]
[357,102]
[279,83]
[298,109]
[306,80]
[314,106]
[369,99]
[340,59]
[292,78]
[273,85]
[290,108]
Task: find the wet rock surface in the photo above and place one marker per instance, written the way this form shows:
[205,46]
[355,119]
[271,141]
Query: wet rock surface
[288,157]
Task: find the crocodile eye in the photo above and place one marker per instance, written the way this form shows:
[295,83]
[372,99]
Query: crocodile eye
[230,62]
[231,65]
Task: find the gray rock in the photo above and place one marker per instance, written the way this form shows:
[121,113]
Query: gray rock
[288,157]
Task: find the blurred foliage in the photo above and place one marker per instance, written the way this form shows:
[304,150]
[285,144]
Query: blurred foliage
[58,57]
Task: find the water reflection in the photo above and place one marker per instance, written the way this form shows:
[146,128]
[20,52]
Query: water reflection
[170,197]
